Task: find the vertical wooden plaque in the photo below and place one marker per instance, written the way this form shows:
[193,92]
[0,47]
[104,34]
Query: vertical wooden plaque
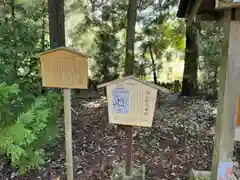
[62,68]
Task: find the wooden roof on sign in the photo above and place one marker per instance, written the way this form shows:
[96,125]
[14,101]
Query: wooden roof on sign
[65,49]
[206,11]
[160,88]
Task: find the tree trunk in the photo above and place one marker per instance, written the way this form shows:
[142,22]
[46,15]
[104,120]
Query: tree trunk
[153,65]
[213,85]
[14,78]
[129,65]
[13,10]
[43,25]
[189,84]
[130,38]
[56,23]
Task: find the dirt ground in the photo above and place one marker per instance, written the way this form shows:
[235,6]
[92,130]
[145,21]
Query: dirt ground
[181,138]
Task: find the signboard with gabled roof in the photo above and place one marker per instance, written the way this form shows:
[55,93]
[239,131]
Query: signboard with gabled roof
[68,69]
[131,101]
[64,68]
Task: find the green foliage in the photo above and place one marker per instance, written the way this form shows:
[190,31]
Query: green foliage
[22,37]
[170,33]
[106,63]
[27,119]
[159,39]
[97,35]
[24,135]
[211,39]
[102,33]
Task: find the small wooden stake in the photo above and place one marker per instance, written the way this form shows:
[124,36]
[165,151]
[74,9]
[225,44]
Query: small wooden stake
[68,133]
[129,131]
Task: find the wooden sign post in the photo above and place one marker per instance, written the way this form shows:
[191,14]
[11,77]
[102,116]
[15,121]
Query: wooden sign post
[131,102]
[228,11]
[68,69]
[228,96]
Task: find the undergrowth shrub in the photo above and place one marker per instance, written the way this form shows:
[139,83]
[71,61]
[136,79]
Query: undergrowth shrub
[27,127]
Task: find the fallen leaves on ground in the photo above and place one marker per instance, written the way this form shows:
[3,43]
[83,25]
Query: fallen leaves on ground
[181,138]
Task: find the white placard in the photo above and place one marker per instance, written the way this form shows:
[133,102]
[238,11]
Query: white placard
[120,101]
[131,103]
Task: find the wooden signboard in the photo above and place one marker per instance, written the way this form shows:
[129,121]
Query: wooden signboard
[64,68]
[68,69]
[222,4]
[131,101]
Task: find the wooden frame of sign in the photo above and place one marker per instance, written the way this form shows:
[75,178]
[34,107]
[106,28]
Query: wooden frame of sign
[65,68]
[222,4]
[131,102]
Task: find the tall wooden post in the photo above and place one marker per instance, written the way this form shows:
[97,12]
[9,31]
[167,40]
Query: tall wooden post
[228,93]
[129,130]
[68,133]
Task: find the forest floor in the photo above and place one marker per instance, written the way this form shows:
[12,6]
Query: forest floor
[181,138]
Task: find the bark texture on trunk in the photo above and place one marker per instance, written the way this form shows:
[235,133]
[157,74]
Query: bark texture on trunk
[56,23]
[189,84]
[129,66]
[130,38]
[155,80]
[43,25]
[56,19]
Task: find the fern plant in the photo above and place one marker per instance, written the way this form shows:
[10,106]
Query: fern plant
[24,134]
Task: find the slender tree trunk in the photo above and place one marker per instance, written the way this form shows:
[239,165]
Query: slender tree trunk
[213,85]
[189,84]
[129,65]
[14,78]
[13,10]
[4,9]
[130,38]
[43,25]
[153,65]
[56,23]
